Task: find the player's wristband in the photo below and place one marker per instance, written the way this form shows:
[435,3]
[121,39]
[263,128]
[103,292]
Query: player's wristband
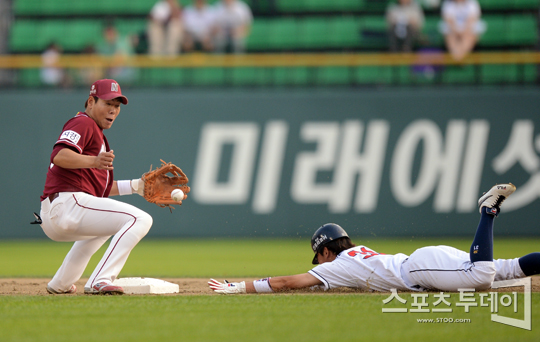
[262,285]
[124,187]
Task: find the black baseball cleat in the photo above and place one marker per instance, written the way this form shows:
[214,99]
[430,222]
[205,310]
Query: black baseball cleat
[495,197]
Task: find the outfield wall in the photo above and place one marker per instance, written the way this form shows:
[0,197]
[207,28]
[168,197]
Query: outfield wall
[404,162]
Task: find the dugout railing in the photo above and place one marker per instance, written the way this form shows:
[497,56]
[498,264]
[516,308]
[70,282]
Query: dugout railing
[315,69]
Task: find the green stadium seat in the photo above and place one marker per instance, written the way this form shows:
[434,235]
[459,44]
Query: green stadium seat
[375,6]
[332,76]
[25,36]
[344,32]
[152,76]
[319,5]
[508,73]
[431,31]
[283,34]
[522,30]
[425,75]
[76,7]
[373,32]
[77,34]
[175,76]
[332,6]
[492,73]
[459,74]
[27,7]
[208,76]
[348,5]
[487,5]
[495,4]
[135,6]
[314,33]
[496,31]
[29,78]
[401,75]
[290,5]
[250,76]
[163,77]
[530,72]
[510,30]
[56,31]
[131,26]
[291,76]
[527,4]
[373,75]
[72,35]
[259,36]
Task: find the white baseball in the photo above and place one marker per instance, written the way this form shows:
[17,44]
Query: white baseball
[177,195]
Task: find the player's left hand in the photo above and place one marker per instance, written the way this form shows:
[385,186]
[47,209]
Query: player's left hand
[104,160]
[226,287]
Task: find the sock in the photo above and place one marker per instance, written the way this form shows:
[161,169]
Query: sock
[482,246]
[530,264]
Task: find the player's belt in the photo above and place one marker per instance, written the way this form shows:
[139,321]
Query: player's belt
[52,197]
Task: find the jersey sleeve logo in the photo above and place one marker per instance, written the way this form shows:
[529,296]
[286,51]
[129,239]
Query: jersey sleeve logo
[70,136]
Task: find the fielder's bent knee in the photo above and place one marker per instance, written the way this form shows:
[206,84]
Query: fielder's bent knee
[143,221]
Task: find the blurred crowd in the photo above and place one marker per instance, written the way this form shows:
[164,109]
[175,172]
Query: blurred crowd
[224,26]
[171,30]
[460,24]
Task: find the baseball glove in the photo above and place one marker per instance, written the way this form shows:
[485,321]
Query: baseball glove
[158,185]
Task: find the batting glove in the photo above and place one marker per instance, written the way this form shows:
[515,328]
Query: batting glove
[226,287]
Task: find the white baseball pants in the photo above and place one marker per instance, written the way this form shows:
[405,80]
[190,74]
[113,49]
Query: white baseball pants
[449,269]
[90,221]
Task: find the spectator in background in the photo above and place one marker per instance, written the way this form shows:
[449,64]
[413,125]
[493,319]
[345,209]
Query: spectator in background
[198,27]
[120,48]
[93,70]
[51,74]
[461,26]
[405,20]
[165,28]
[233,20]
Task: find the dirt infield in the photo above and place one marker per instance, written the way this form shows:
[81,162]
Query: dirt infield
[188,287]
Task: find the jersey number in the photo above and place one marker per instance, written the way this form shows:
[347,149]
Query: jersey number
[367,253]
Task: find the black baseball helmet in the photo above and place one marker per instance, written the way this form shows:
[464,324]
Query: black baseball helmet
[324,235]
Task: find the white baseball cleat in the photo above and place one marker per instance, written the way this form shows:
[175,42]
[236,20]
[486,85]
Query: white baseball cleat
[104,289]
[495,196]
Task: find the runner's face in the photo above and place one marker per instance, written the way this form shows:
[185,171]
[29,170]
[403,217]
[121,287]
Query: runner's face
[325,256]
[104,112]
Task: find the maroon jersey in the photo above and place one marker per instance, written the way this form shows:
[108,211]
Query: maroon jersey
[83,135]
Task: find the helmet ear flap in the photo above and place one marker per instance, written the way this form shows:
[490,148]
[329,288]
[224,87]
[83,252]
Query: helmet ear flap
[315,260]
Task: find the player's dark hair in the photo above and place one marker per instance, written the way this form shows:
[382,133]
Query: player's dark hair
[95,99]
[338,245]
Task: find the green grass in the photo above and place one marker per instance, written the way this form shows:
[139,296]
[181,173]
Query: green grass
[281,317]
[218,257]
[240,318]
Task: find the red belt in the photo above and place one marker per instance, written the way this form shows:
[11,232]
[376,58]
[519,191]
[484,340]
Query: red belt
[52,197]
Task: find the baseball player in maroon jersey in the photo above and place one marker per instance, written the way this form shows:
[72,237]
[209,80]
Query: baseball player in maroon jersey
[75,204]
[343,264]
